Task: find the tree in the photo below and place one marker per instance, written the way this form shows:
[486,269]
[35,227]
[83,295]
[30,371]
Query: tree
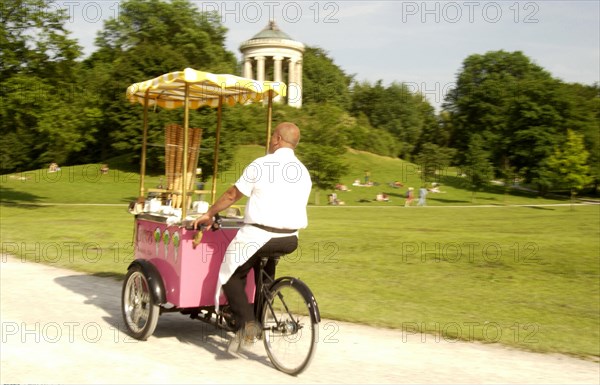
[493,98]
[322,80]
[519,110]
[438,131]
[148,39]
[568,164]
[34,41]
[198,37]
[38,68]
[323,144]
[395,109]
[581,110]
[324,166]
[433,160]
[478,167]
[362,136]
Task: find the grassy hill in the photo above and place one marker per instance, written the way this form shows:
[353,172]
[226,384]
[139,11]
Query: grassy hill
[384,171]
[86,184]
[522,276]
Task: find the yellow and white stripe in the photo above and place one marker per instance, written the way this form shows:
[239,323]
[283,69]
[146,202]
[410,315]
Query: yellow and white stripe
[205,89]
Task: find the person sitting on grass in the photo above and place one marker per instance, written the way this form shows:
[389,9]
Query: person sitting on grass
[383,197]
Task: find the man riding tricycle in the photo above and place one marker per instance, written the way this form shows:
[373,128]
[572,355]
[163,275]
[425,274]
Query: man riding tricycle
[200,259]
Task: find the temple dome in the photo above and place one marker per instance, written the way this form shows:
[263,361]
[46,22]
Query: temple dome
[272,31]
[271,35]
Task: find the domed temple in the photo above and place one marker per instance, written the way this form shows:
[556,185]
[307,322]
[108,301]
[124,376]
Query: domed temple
[272,55]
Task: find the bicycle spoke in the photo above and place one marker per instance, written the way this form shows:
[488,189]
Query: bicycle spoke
[289,332]
[139,312]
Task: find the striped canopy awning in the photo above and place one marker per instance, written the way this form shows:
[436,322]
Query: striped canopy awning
[205,89]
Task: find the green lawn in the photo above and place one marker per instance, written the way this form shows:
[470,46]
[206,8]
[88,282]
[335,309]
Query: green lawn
[522,276]
[527,277]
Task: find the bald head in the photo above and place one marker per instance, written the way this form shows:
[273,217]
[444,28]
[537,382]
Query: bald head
[290,134]
[285,135]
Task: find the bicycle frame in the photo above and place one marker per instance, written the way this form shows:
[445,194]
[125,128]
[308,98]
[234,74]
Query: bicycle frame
[263,292]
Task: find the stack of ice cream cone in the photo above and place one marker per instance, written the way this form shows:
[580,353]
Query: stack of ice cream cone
[174,138]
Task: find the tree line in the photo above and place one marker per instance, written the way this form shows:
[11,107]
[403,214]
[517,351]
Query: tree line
[506,118]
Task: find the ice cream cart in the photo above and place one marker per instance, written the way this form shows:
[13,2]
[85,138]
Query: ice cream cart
[175,267]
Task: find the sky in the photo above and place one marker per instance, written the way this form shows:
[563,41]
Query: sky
[420,43]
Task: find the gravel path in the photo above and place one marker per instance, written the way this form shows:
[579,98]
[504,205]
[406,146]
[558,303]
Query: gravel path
[60,326]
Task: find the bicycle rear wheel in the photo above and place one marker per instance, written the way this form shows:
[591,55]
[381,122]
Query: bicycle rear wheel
[289,331]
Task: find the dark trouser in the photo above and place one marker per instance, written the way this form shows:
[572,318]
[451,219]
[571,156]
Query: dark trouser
[235,288]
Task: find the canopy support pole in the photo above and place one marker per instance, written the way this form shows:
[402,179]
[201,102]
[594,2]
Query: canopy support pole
[269,116]
[144,146]
[186,127]
[216,158]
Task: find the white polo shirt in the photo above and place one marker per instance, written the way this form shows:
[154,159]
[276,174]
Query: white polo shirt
[278,186]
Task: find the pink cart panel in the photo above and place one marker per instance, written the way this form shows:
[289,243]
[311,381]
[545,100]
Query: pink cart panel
[189,274]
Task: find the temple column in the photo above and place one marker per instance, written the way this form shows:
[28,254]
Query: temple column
[291,68]
[293,89]
[277,73]
[248,68]
[260,68]
[299,83]
[290,86]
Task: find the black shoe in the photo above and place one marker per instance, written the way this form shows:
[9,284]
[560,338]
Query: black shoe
[228,317]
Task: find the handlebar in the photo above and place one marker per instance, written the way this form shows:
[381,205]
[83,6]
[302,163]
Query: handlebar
[217,223]
[189,225]
[198,237]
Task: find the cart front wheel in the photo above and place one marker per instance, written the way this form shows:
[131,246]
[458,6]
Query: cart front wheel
[140,312]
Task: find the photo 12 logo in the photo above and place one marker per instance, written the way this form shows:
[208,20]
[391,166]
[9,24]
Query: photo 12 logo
[88,11]
[261,12]
[469,11]
[471,331]
[54,332]
[464,251]
[68,252]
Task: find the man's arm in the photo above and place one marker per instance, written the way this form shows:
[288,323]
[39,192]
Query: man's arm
[228,198]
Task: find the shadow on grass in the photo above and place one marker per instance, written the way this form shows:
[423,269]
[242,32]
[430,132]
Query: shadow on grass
[523,192]
[487,198]
[12,197]
[109,274]
[442,200]
[397,195]
[540,208]
[124,163]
